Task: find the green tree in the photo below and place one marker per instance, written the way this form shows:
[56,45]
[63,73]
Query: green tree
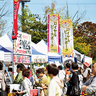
[32,25]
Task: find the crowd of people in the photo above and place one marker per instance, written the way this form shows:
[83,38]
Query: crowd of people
[53,80]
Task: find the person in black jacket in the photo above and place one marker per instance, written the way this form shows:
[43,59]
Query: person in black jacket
[73,89]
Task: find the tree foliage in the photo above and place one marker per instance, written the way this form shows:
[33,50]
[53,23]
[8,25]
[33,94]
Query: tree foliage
[82,47]
[87,31]
[32,25]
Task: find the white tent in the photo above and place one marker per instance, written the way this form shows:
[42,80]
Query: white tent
[37,53]
[88,59]
[6,42]
[43,48]
[2,55]
[81,57]
[40,49]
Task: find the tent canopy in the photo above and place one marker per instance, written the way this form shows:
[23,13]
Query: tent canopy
[6,42]
[51,56]
[4,49]
[41,48]
[55,58]
[6,45]
[35,52]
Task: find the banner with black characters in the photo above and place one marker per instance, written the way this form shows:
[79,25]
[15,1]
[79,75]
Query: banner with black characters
[22,48]
[53,33]
[66,37]
[22,45]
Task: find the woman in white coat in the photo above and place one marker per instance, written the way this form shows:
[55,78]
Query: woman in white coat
[55,86]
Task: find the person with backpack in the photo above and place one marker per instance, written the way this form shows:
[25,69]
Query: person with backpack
[2,81]
[73,88]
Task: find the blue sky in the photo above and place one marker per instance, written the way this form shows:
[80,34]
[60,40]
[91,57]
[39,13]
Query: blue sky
[37,7]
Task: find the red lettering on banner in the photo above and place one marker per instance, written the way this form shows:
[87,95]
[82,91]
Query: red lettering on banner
[21,51]
[25,37]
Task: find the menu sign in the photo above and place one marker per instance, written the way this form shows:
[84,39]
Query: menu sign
[37,60]
[22,59]
[23,44]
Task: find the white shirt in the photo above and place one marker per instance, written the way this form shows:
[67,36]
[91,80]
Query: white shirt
[86,72]
[25,87]
[54,89]
[61,74]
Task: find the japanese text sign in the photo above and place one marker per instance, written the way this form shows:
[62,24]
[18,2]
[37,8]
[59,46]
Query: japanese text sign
[23,44]
[53,33]
[66,37]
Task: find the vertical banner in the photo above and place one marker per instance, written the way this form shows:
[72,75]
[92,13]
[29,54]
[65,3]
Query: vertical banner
[53,33]
[66,37]
[16,4]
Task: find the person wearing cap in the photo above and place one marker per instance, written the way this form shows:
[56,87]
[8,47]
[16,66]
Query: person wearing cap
[89,87]
[86,70]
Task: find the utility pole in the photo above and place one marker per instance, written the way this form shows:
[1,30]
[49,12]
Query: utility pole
[23,3]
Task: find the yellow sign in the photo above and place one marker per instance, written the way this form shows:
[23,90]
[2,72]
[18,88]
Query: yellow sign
[66,37]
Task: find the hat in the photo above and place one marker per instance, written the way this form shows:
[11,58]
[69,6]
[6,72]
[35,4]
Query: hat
[86,64]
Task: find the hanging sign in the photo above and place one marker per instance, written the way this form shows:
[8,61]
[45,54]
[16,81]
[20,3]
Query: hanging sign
[53,33]
[66,37]
[16,4]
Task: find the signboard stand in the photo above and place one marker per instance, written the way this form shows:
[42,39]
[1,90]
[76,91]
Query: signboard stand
[22,50]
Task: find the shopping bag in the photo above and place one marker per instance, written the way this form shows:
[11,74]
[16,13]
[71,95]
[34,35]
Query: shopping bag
[33,92]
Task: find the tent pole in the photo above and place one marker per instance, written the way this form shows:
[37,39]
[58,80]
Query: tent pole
[13,63]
